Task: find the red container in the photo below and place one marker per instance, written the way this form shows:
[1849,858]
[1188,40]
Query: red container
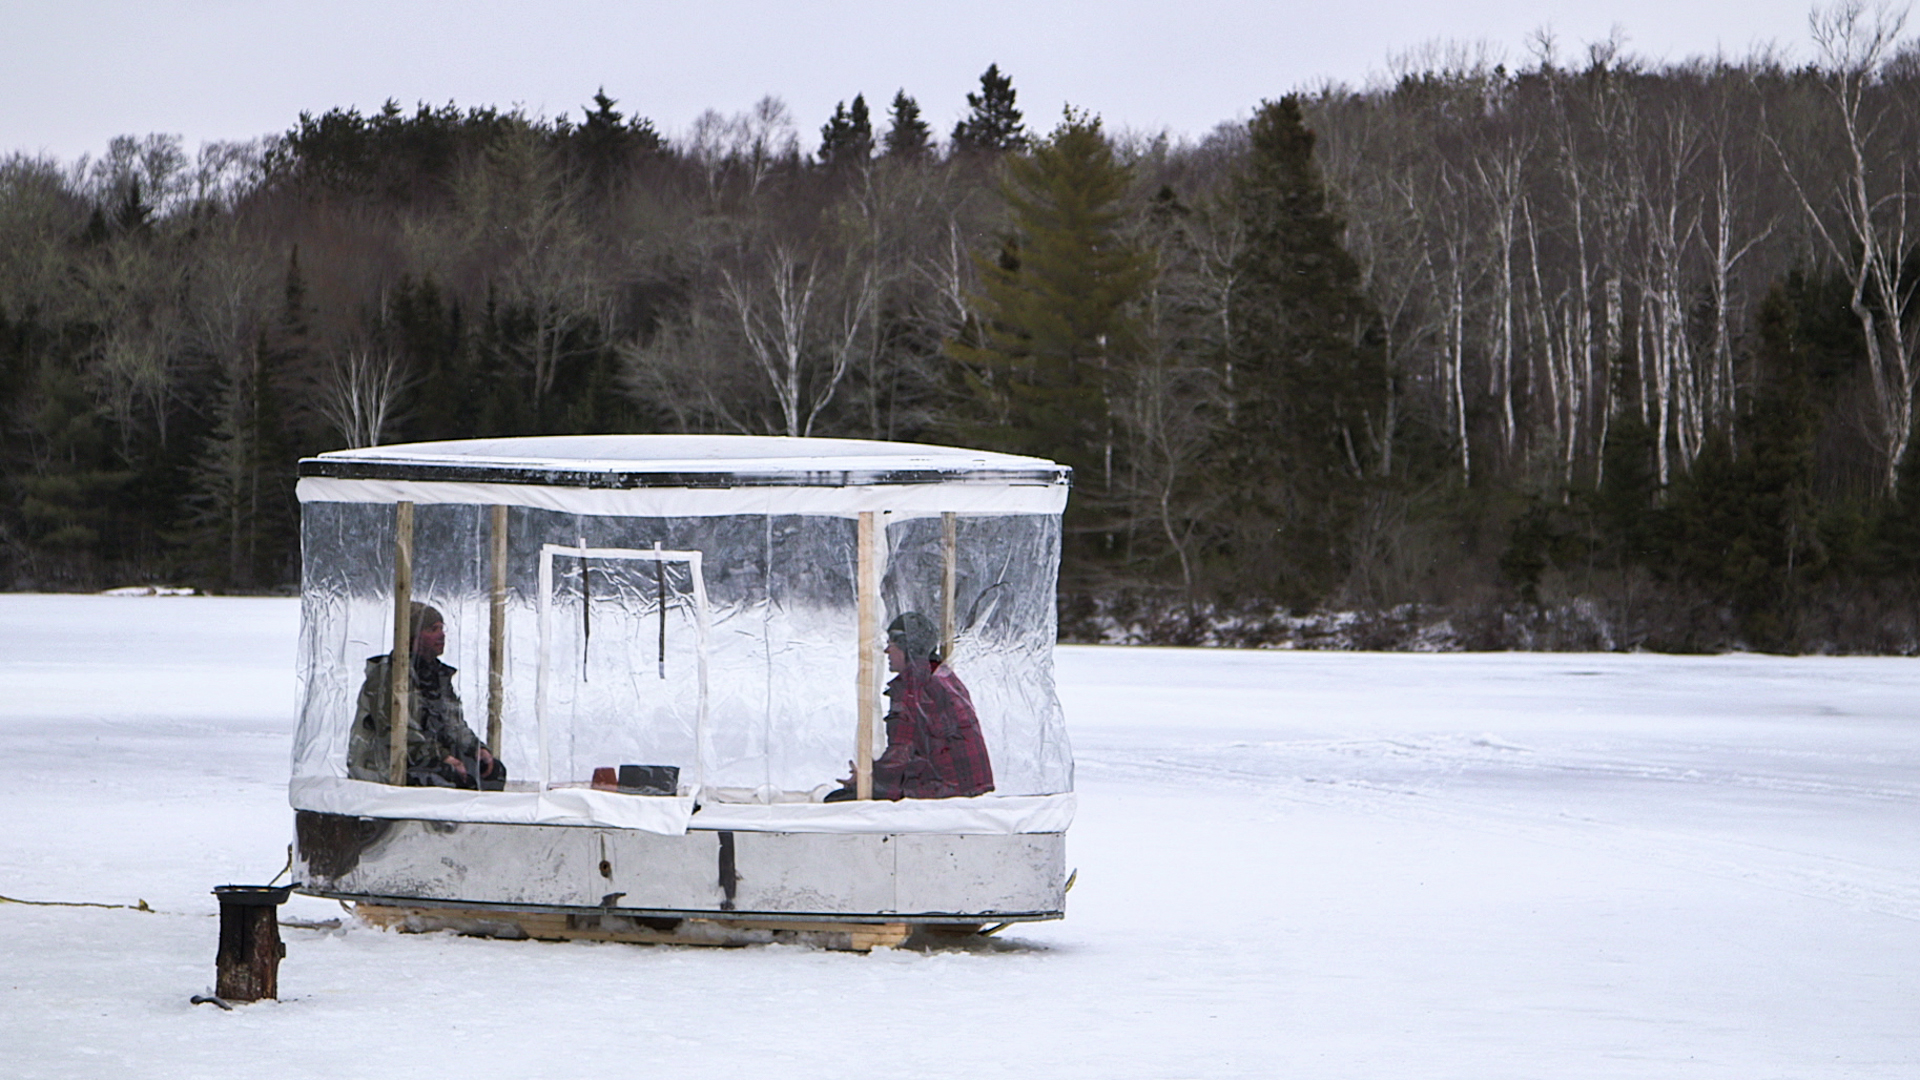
[607,778]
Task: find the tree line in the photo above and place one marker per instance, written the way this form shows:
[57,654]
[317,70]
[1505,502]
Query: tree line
[1583,353]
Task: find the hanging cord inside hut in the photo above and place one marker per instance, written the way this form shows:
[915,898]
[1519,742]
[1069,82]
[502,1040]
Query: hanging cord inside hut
[586,607]
[660,597]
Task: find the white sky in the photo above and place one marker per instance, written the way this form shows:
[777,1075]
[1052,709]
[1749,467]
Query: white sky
[74,73]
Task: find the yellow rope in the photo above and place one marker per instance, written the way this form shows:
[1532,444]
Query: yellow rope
[141,906]
[138,906]
[284,869]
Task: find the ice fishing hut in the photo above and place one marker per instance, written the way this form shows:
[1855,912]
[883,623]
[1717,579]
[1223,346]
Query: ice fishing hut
[675,645]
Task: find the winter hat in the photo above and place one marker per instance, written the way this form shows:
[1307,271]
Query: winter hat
[422,616]
[915,635]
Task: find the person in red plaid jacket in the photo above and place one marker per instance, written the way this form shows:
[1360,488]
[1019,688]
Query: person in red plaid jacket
[934,746]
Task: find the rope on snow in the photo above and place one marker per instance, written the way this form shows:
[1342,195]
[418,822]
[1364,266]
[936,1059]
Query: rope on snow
[141,906]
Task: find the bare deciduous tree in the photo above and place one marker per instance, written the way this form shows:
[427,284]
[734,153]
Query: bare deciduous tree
[1866,219]
[799,331]
[360,392]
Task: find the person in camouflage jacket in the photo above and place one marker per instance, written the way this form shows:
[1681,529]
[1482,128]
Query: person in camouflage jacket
[442,751]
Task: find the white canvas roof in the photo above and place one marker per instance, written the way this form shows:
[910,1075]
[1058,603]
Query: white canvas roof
[670,460]
[690,475]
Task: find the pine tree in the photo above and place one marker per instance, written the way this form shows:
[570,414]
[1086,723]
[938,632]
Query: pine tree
[423,326]
[133,214]
[993,123]
[1058,319]
[1308,381]
[1744,525]
[909,137]
[240,509]
[605,126]
[607,143]
[847,137]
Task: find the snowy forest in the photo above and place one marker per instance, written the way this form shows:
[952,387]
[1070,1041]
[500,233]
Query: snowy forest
[1582,353]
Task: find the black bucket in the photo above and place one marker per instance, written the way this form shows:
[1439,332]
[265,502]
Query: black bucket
[252,895]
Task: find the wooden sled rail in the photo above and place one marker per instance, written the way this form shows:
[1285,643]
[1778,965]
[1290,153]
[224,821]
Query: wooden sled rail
[641,930]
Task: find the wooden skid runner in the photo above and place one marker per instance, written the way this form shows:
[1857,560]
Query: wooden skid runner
[558,926]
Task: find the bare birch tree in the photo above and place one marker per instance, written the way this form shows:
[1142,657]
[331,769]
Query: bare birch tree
[1866,219]
[800,331]
[359,393]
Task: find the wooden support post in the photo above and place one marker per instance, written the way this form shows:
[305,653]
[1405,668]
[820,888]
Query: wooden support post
[867,603]
[497,632]
[949,560]
[399,708]
[247,965]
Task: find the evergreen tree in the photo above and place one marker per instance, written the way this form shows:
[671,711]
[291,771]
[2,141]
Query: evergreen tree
[1058,311]
[389,155]
[240,511]
[1308,383]
[605,126]
[425,328]
[909,137]
[992,122]
[133,214]
[607,143]
[69,495]
[1745,525]
[847,137]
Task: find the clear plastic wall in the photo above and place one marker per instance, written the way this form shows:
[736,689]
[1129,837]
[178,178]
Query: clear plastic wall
[625,640]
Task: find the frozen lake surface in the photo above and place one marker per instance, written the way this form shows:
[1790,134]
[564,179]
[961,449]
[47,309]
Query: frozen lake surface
[1291,864]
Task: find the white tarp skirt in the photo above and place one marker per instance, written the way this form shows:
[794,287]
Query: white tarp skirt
[979,815]
[671,816]
[555,806]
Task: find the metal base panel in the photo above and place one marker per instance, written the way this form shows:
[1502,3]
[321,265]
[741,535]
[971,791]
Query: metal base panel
[913,877]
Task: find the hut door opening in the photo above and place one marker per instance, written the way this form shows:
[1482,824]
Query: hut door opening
[630,598]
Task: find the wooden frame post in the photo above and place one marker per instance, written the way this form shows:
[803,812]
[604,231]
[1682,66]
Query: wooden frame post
[497,632]
[949,561]
[400,661]
[867,604]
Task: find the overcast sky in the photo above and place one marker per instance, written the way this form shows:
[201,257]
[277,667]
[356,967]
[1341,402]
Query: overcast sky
[75,73]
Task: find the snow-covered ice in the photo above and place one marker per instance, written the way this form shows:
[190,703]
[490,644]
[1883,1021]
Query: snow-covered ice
[1291,864]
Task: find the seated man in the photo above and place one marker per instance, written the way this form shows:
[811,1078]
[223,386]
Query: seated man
[934,746]
[441,750]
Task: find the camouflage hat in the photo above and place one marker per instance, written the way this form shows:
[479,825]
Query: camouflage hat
[422,616]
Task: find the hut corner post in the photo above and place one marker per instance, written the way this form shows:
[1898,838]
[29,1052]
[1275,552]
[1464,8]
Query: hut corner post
[949,558]
[497,632]
[400,661]
[867,601]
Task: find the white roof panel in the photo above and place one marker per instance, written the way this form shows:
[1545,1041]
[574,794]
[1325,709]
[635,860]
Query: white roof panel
[696,461]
